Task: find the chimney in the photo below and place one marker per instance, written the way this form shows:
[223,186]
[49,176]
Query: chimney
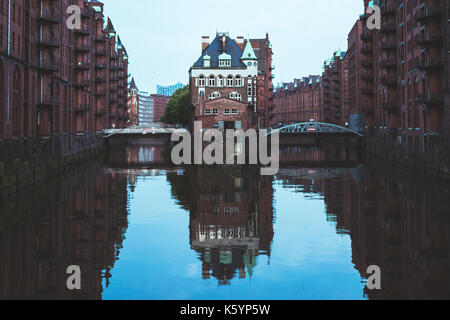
[240,42]
[205,43]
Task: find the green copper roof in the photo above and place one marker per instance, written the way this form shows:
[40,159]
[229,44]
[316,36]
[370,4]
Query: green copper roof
[249,53]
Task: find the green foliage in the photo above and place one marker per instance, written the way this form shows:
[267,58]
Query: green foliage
[178,109]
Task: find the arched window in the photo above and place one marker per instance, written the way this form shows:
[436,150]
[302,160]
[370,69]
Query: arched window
[214,95]
[201,81]
[2,100]
[230,81]
[212,81]
[238,81]
[220,82]
[235,96]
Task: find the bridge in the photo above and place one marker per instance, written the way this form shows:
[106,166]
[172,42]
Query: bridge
[315,128]
[138,131]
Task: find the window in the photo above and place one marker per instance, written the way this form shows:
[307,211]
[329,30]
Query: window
[212,81]
[234,111]
[224,63]
[208,112]
[216,111]
[214,95]
[220,82]
[201,81]
[227,112]
[238,81]
[249,90]
[235,96]
[230,81]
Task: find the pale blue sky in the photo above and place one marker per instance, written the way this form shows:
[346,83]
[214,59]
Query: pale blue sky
[163,38]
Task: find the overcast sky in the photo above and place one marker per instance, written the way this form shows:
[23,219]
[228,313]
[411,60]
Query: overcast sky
[163,37]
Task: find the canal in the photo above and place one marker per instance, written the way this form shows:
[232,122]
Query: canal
[142,229]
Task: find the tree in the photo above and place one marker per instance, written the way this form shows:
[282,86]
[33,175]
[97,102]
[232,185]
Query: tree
[178,108]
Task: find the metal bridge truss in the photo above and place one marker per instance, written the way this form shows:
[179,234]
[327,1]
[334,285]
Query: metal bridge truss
[309,128]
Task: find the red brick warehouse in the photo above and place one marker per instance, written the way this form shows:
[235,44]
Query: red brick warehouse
[231,83]
[55,81]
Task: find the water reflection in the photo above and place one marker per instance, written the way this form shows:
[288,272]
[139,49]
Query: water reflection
[308,233]
[78,220]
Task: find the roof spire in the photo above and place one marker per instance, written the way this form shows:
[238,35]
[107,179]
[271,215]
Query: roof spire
[249,53]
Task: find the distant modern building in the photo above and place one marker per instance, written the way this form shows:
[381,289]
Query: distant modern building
[168,90]
[151,108]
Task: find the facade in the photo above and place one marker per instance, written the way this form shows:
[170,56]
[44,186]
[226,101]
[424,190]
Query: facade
[227,83]
[58,87]
[297,102]
[151,108]
[335,90]
[405,80]
[168,90]
[133,104]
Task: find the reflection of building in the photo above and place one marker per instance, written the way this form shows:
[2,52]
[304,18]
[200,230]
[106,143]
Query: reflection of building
[231,220]
[168,90]
[396,221]
[84,226]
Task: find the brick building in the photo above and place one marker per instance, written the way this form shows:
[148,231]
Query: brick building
[58,81]
[299,101]
[405,78]
[151,108]
[58,87]
[230,84]
[133,104]
[335,90]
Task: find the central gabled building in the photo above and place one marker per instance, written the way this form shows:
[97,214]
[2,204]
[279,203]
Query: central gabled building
[224,83]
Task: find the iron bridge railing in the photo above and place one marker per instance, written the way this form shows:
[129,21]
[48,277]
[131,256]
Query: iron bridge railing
[314,128]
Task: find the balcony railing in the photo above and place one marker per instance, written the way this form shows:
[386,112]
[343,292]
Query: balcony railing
[367,92]
[50,17]
[84,31]
[428,39]
[82,66]
[82,83]
[388,45]
[100,66]
[83,107]
[388,63]
[49,43]
[429,13]
[49,66]
[430,99]
[389,106]
[388,81]
[50,101]
[431,64]
[367,64]
[81,47]
[387,27]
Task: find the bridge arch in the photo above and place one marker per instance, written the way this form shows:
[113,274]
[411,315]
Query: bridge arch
[315,128]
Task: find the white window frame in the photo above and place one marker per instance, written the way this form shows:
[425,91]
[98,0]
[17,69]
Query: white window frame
[215,112]
[227,112]
[238,81]
[201,81]
[208,112]
[212,82]
[220,82]
[230,81]
[234,111]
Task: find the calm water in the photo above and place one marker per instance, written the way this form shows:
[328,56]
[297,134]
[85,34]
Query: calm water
[228,233]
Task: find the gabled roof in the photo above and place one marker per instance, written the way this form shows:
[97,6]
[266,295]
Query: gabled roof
[215,49]
[249,53]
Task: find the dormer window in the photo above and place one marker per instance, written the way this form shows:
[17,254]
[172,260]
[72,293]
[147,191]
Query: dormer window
[224,60]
